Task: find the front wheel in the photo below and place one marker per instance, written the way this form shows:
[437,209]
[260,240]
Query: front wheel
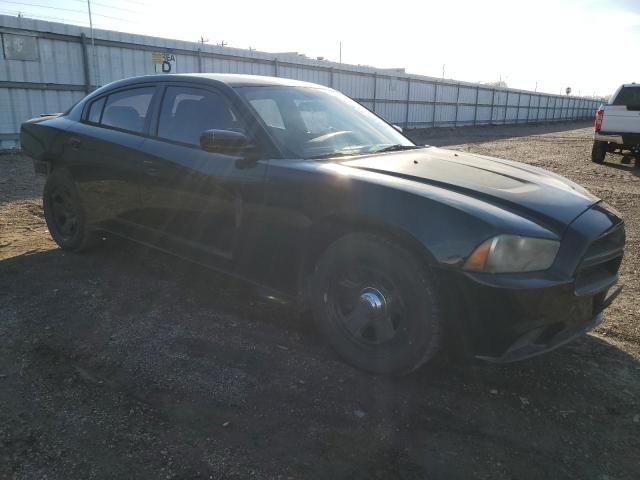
[377,304]
[598,151]
[64,213]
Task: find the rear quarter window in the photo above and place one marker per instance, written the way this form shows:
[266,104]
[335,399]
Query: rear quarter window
[95,110]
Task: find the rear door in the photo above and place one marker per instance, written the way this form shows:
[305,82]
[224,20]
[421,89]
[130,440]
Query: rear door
[622,115]
[106,161]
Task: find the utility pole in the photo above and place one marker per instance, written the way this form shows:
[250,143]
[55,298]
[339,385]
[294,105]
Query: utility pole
[536,89]
[93,45]
[443,70]
[340,47]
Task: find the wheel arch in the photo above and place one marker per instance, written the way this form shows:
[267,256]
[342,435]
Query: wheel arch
[327,230]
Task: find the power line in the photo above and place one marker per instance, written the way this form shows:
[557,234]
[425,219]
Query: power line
[104,5]
[23,14]
[140,3]
[47,18]
[37,5]
[36,17]
[143,4]
[44,6]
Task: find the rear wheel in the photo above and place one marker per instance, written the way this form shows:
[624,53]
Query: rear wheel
[64,214]
[599,151]
[377,304]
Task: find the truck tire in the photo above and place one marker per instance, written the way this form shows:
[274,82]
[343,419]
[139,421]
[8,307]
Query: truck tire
[65,215]
[377,304]
[598,151]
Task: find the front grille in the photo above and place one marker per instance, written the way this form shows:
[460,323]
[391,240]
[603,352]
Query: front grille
[607,247]
[598,269]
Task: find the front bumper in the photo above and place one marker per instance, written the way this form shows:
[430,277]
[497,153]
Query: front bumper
[538,341]
[501,323]
[509,317]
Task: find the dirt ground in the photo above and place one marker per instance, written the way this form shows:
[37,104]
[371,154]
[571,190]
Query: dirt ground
[127,363]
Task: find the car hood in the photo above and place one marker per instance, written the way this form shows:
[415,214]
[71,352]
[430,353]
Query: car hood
[523,189]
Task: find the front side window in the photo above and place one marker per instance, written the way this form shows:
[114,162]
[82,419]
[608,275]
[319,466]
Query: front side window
[309,122]
[188,112]
[128,109]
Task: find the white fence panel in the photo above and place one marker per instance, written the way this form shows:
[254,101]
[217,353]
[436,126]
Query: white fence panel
[60,65]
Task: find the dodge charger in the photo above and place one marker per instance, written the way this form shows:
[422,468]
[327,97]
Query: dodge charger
[397,250]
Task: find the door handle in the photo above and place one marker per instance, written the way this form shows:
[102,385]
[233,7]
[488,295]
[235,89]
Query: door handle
[150,168]
[74,143]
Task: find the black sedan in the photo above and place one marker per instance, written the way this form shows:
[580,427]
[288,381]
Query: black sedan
[397,249]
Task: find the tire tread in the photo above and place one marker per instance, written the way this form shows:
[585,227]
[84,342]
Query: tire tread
[426,284]
[87,238]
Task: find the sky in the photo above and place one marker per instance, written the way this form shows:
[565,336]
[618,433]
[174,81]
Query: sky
[546,45]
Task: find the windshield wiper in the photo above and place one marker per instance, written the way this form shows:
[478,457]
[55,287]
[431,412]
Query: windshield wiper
[333,155]
[396,148]
[389,148]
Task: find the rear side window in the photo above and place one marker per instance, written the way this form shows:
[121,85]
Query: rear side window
[95,110]
[629,96]
[187,112]
[128,109]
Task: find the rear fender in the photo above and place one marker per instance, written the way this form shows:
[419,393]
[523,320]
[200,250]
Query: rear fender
[42,142]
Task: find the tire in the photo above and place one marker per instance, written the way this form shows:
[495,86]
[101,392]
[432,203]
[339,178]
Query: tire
[598,152]
[65,215]
[377,304]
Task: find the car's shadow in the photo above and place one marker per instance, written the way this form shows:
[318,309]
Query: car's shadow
[213,369]
[632,167]
[449,136]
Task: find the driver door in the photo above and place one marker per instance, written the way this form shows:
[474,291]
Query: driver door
[197,203]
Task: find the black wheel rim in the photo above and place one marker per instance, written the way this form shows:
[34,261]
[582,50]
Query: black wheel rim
[368,306]
[64,212]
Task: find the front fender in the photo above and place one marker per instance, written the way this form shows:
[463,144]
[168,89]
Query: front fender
[309,204]
[447,224]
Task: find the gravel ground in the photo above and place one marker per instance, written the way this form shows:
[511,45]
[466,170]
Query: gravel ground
[127,363]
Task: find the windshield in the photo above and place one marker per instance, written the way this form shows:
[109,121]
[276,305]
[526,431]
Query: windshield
[309,122]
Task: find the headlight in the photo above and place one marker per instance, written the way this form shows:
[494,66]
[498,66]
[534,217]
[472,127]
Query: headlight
[512,253]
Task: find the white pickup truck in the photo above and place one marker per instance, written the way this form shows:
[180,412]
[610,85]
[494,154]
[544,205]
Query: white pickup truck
[617,125]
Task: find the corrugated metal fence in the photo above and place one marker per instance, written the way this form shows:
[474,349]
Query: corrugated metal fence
[46,67]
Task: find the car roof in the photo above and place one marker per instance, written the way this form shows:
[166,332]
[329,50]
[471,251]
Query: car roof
[629,85]
[231,79]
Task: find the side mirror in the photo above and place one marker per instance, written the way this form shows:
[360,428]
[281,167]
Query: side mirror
[397,127]
[224,141]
